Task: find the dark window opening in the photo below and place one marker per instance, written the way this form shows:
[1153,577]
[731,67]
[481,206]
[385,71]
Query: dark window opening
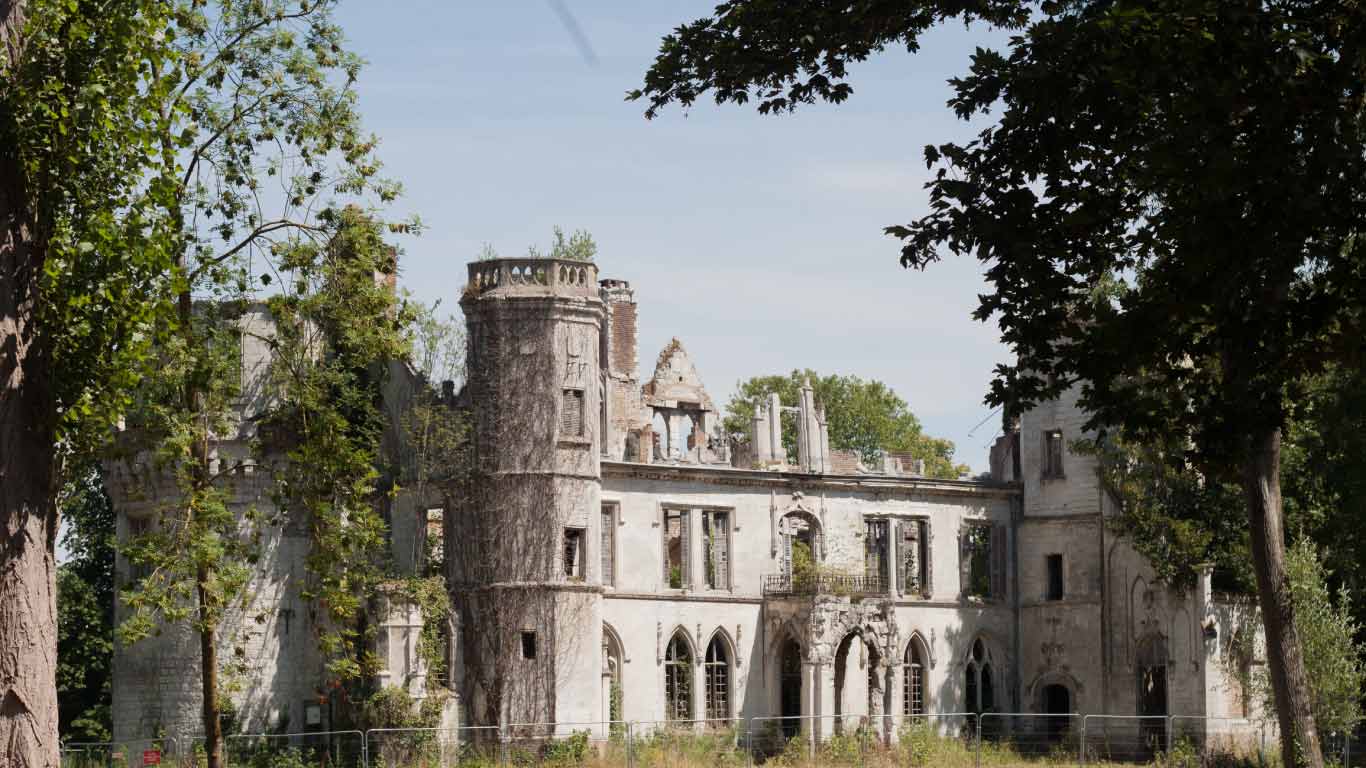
[528,644]
[982,561]
[1055,581]
[678,680]
[717,667]
[913,695]
[1052,453]
[573,553]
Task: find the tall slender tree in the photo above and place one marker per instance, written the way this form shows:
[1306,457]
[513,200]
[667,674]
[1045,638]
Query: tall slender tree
[1206,158]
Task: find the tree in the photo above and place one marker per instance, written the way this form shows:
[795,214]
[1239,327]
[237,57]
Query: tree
[84,249]
[1206,158]
[85,609]
[260,133]
[863,416]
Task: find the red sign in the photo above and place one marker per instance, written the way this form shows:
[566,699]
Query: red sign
[151,757]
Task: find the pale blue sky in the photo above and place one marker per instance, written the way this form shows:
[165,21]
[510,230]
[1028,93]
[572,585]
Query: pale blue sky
[755,240]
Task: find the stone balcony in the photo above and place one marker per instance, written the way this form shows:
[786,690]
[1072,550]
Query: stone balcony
[833,584]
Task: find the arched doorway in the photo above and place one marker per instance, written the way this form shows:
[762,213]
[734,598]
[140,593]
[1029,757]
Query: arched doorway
[1151,665]
[858,687]
[611,672]
[977,682]
[790,686]
[1056,702]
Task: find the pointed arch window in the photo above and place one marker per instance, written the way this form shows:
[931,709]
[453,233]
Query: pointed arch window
[678,680]
[978,680]
[913,685]
[717,668]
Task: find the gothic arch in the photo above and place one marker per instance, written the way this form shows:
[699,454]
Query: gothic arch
[1055,677]
[720,632]
[680,630]
[917,636]
[719,677]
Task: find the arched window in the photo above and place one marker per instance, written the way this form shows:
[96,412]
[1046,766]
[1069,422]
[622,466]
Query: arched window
[678,680]
[978,682]
[717,668]
[913,685]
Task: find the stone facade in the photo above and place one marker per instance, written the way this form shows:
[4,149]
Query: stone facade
[670,572]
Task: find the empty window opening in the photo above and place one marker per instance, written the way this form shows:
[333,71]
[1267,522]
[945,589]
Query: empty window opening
[571,413]
[660,429]
[717,667]
[573,553]
[608,544]
[1052,453]
[676,570]
[716,548]
[982,554]
[137,528]
[678,680]
[915,560]
[1055,581]
[528,644]
[875,553]
[435,536]
[684,439]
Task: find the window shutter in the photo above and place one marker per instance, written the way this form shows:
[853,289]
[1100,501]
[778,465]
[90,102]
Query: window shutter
[571,413]
[965,560]
[721,536]
[897,531]
[998,562]
[685,536]
[926,562]
[608,536]
[664,543]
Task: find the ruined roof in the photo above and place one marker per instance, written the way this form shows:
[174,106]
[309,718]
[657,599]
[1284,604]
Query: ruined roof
[675,383]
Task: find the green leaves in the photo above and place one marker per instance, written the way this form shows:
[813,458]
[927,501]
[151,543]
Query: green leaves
[863,416]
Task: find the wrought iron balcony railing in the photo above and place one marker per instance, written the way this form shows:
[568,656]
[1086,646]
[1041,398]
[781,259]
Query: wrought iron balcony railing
[802,584]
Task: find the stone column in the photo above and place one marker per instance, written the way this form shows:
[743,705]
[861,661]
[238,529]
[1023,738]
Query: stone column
[898,698]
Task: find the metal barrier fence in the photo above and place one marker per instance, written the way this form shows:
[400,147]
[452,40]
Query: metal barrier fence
[102,754]
[328,749]
[432,747]
[957,740]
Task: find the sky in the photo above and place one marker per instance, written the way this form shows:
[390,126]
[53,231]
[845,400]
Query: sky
[755,240]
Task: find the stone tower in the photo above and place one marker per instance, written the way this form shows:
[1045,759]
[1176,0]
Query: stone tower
[524,559]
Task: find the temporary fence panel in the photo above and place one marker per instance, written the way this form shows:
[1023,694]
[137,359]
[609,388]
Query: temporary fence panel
[320,749]
[946,739]
[432,747]
[559,744]
[658,743]
[120,754]
[1013,738]
[1124,738]
[831,740]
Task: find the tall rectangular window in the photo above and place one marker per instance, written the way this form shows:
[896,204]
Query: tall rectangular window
[528,644]
[571,413]
[1052,453]
[573,553]
[676,567]
[716,548]
[137,528]
[915,557]
[875,552]
[976,564]
[1055,577]
[608,544]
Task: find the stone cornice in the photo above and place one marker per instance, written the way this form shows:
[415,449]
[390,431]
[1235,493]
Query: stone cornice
[721,475]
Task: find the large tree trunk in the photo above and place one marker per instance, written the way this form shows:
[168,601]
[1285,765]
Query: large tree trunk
[208,668]
[28,514]
[1289,682]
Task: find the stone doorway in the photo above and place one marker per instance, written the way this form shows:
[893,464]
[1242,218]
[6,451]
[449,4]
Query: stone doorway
[790,687]
[1152,693]
[1057,704]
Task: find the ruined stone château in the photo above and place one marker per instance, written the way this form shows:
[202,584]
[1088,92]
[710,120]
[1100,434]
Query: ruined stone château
[619,558]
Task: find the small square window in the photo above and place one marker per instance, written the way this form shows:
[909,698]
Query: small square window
[528,644]
[1055,577]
